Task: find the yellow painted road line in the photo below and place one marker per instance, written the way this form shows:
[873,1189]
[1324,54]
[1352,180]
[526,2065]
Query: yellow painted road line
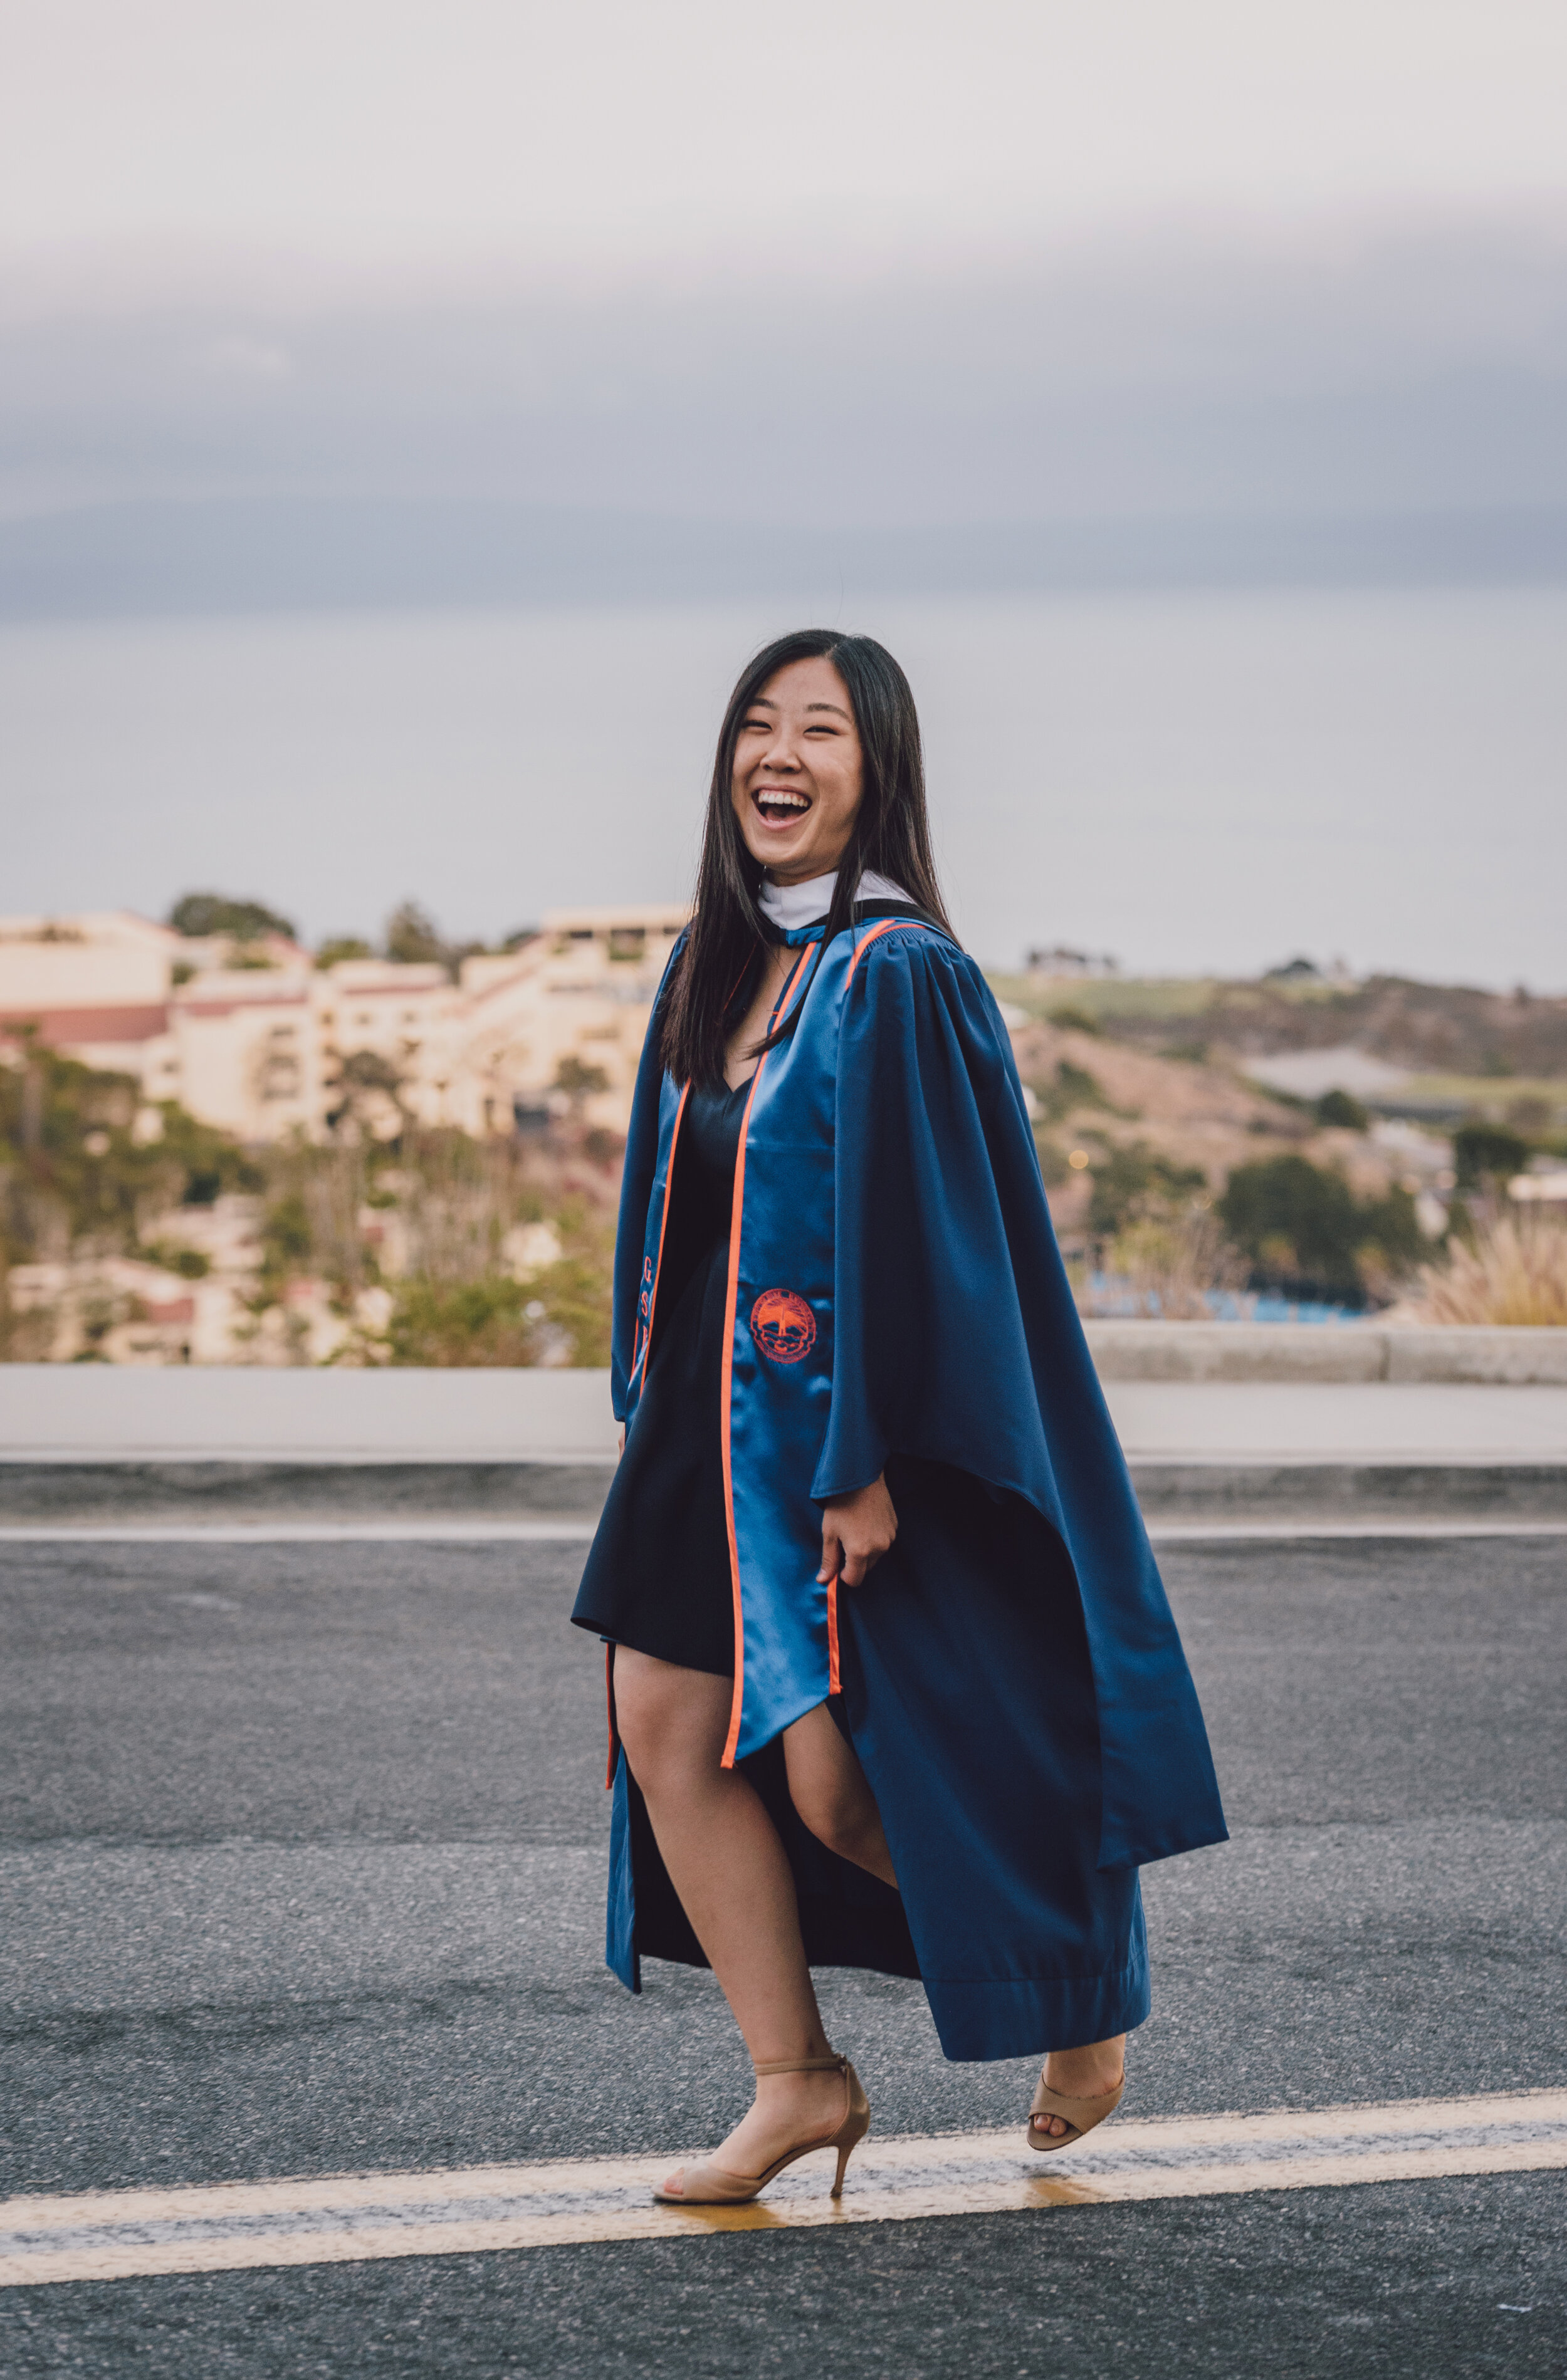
[1187,1533]
[226,2227]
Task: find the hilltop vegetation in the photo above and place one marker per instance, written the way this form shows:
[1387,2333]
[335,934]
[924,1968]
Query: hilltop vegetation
[1179,1176]
[1426,1028]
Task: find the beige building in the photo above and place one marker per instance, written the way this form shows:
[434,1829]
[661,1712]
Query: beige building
[583,989]
[97,985]
[255,1039]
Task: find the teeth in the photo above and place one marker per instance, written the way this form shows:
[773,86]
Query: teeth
[774,801]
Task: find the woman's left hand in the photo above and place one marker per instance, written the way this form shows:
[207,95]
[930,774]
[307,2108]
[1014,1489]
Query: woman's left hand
[855,1533]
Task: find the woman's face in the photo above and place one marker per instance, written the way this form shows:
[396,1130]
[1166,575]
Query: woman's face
[798,772]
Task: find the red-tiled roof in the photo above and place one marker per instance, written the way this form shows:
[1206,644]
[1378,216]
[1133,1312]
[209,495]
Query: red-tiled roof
[121,1023]
[226,1007]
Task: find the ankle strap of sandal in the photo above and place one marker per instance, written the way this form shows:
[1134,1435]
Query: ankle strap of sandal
[833,2060]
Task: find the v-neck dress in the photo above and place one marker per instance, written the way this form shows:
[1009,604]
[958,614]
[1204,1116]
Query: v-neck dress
[658,1576]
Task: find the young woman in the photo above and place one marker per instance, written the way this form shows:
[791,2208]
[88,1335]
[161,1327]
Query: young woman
[893,1681]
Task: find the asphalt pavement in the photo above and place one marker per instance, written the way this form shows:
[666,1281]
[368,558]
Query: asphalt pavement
[301,1862]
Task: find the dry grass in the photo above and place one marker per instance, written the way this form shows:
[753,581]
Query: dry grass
[457,1198]
[1169,1266]
[1515,1272]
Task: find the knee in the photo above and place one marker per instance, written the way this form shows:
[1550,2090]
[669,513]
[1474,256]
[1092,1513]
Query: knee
[839,1818]
[665,1740]
[643,1720]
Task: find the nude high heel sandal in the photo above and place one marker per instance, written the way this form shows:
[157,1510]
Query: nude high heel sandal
[708,2185]
[1080,2116]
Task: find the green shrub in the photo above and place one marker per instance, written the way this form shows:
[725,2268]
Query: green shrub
[579,1080]
[342,946]
[467,1323]
[286,1235]
[1483,1152]
[200,913]
[1133,1184]
[413,937]
[189,1263]
[494,1320]
[1069,1089]
[1301,1223]
[76,1168]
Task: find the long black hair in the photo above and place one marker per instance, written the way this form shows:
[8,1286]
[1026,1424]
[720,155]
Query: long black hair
[891,835]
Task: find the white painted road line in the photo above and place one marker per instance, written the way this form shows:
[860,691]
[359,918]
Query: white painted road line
[304,1532]
[579,1531]
[120,2235]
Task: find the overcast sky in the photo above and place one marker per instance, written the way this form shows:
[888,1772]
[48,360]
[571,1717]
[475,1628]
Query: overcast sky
[153,145]
[848,264]
[855,263]
[1124,273]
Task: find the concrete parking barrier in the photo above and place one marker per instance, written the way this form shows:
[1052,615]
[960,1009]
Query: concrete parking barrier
[1474,1355]
[1223,1422]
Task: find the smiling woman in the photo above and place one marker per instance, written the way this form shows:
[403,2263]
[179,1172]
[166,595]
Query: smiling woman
[797,768]
[819,781]
[895,1679]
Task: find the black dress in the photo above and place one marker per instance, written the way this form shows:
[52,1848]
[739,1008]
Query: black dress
[658,1576]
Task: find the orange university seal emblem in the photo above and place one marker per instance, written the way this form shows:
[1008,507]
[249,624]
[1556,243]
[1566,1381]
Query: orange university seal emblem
[782,1326]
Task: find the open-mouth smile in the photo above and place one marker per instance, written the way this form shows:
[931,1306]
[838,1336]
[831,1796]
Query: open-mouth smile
[780,806]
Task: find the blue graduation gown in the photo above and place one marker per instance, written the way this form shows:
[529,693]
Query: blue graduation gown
[1010,1675]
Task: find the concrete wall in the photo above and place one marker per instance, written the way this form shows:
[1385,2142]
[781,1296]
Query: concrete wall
[112,1413]
[1347,1352]
[1173,1388]
[1272,1441]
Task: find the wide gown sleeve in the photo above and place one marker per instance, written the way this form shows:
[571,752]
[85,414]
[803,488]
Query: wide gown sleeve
[956,1339]
[929,1330]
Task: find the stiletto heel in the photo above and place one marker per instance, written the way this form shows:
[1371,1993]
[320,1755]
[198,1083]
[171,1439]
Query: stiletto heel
[710,2185]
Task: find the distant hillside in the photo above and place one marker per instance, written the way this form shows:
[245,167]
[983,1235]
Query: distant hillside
[1192,1122]
[1425,1029]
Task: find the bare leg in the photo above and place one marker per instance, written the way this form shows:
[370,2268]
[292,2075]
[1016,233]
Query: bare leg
[828,1788]
[728,1867]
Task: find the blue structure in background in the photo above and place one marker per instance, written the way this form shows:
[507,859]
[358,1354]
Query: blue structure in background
[1115,1300]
